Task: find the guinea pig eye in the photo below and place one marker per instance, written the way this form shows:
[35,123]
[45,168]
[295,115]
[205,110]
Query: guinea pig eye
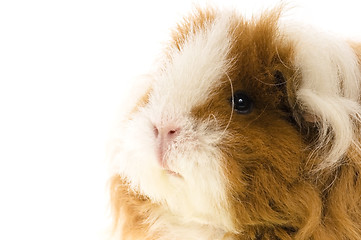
[241,103]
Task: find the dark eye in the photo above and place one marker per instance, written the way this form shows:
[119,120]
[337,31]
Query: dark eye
[242,103]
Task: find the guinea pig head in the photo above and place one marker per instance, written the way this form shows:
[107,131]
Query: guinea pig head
[222,135]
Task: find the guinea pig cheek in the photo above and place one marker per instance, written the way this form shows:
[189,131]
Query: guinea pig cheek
[189,178]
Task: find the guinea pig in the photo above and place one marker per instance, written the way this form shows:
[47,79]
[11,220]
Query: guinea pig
[248,130]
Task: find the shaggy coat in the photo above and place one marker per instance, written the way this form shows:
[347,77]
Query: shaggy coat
[249,130]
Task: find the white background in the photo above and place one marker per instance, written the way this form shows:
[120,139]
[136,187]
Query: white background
[64,68]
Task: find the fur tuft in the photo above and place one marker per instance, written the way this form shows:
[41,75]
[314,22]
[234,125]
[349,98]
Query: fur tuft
[329,90]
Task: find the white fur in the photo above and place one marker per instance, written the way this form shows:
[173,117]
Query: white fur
[189,77]
[186,81]
[195,206]
[329,87]
[177,228]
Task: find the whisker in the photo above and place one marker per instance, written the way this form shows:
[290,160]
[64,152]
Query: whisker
[230,118]
[256,117]
[271,84]
[283,63]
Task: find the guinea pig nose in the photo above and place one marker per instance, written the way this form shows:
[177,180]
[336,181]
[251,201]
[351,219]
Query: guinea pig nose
[166,133]
[164,137]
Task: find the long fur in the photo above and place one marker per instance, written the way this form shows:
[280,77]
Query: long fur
[288,170]
[330,88]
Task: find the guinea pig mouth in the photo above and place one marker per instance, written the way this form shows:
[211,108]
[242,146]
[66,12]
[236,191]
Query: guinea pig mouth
[163,162]
[164,165]
[170,172]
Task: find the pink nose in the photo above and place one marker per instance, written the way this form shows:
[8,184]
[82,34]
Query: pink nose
[165,136]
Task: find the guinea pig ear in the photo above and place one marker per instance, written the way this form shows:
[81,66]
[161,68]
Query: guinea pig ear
[327,91]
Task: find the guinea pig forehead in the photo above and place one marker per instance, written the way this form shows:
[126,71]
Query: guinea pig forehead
[192,73]
[262,59]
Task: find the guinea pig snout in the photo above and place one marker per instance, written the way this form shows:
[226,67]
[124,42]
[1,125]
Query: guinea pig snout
[165,138]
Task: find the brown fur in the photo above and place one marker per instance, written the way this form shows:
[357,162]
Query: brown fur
[191,25]
[272,192]
[133,207]
[143,101]
[357,49]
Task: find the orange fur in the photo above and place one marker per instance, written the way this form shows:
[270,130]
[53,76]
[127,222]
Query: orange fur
[135,208]
[272,191]
[191,25]
[357,49]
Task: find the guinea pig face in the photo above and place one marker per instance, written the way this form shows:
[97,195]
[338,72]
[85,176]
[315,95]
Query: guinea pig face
[210,119]
[214,138]
[171,148]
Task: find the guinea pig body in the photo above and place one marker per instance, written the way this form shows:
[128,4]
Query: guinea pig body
[249,130]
